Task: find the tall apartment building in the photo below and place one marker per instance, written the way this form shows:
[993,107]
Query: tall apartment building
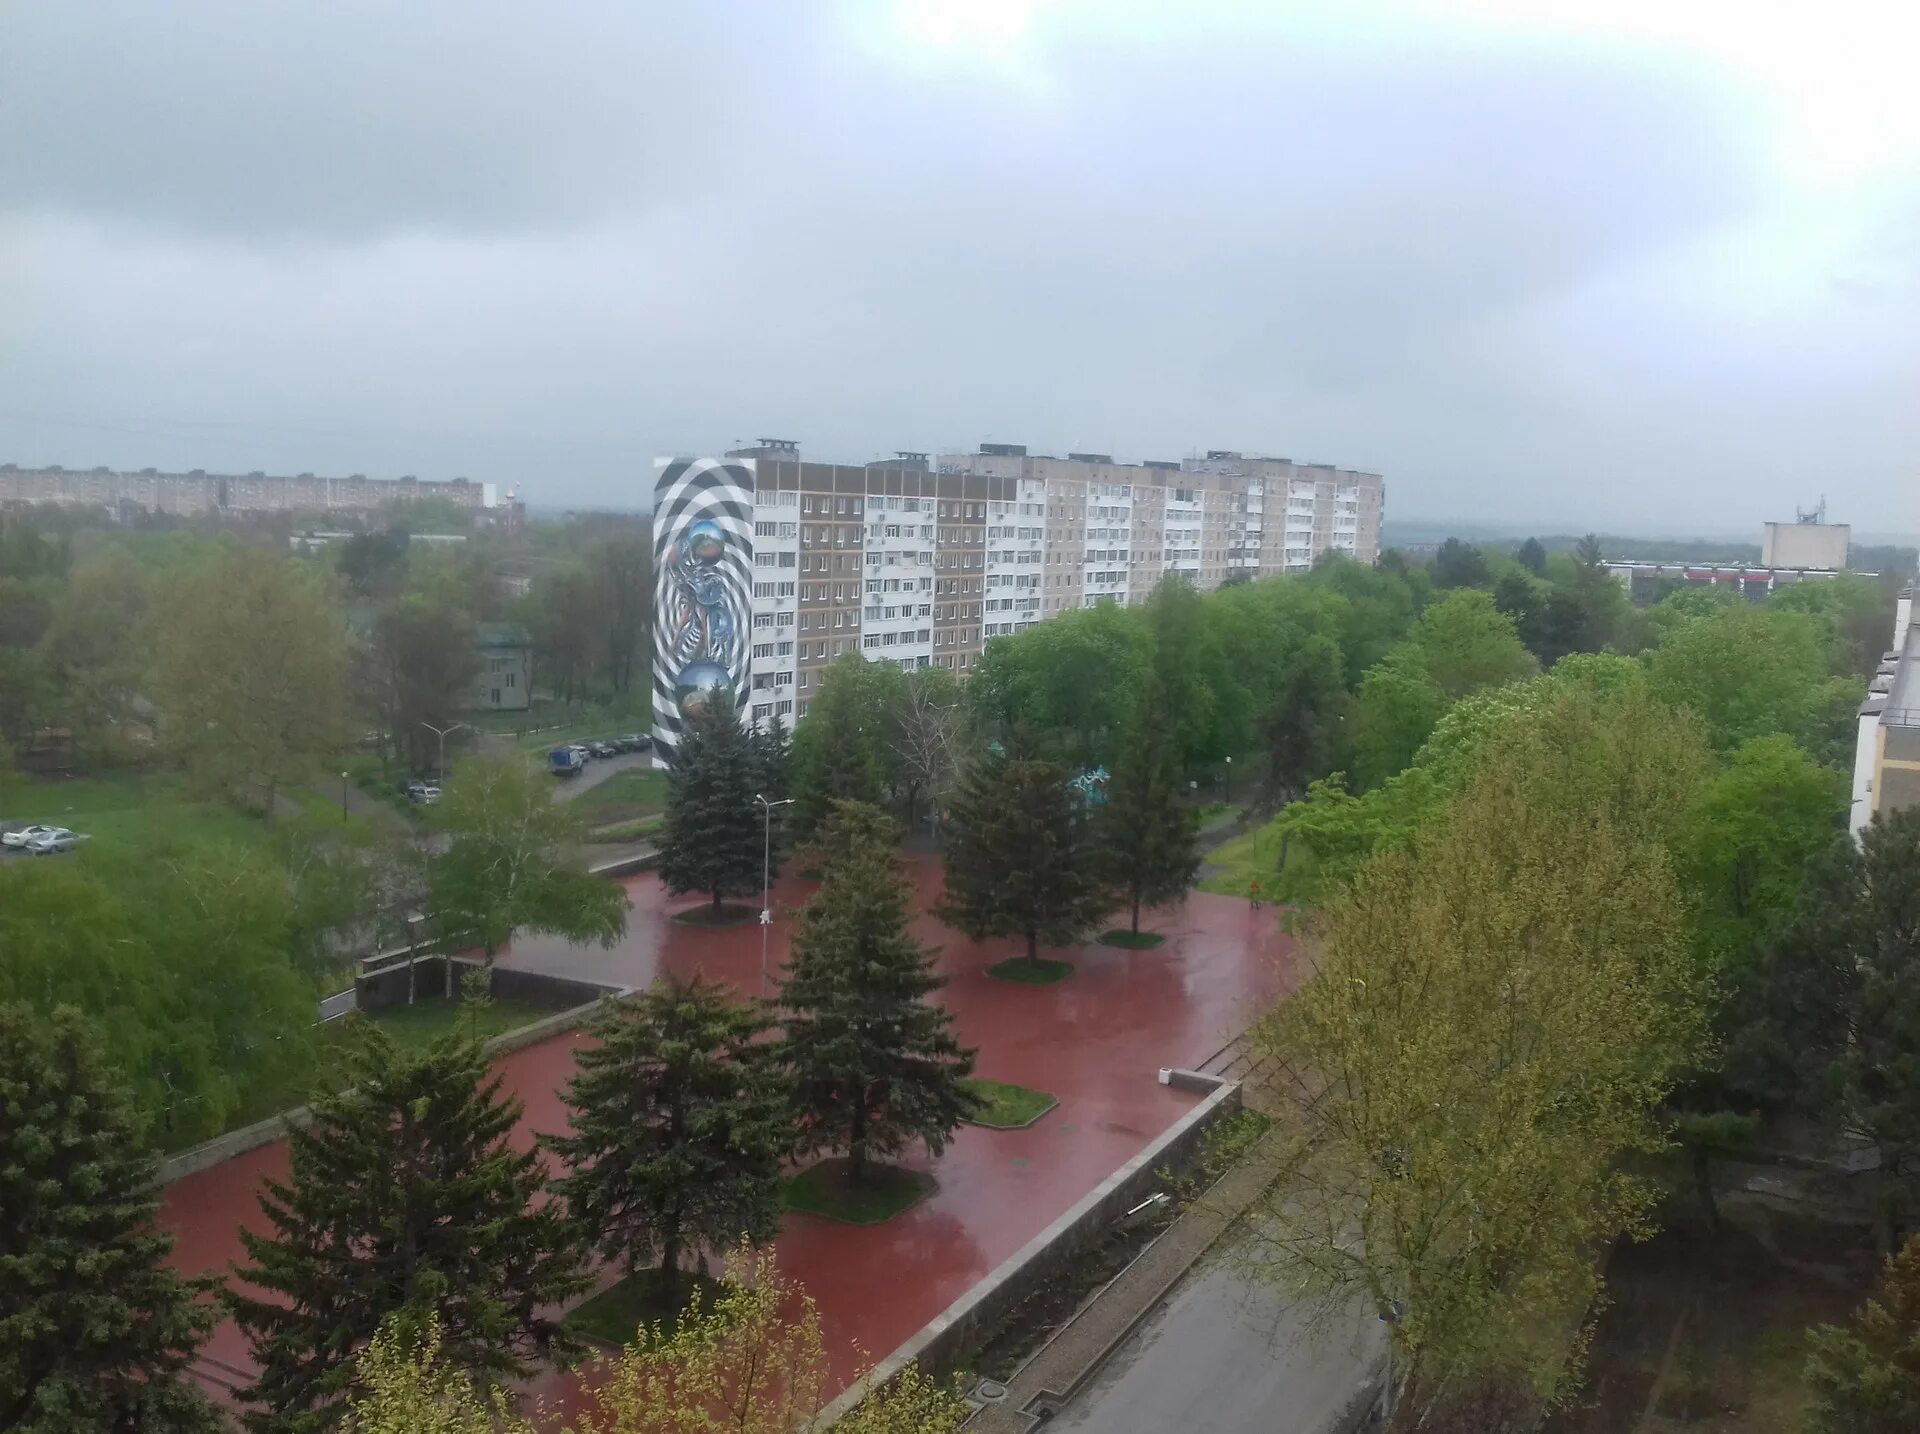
[921,561]
[201,492]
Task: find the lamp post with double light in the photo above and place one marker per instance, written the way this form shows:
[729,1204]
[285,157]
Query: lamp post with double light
[766,880]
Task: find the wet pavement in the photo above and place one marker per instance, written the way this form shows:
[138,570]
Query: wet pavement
[1095,1041]
[1224,1354]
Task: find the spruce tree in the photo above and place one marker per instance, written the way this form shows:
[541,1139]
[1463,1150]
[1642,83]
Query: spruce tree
[1019,862]
[96,1332]
[773,755]
[874,1063]
[773,751]
[1145,833]
[405,1197]
[711,838]
[680,1124]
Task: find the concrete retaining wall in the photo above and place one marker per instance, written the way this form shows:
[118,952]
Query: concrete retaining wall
[250,1137]
[388,986]
[627,865]
[955,1332]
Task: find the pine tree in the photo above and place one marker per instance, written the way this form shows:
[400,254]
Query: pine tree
[96,1332]
[773,751]
[773,756]
[1019,862]
[711,838]
[1145,833]
[680,1124]
[875,1064]
[405,1198]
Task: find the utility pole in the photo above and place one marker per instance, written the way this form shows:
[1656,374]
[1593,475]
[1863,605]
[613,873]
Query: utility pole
[766,881]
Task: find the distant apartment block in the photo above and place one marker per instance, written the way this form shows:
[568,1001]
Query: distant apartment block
[200,492]
[921,560]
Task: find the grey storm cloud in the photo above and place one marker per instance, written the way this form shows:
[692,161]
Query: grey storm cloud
[539,243]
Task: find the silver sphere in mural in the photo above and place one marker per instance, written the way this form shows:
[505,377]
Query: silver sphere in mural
[697,684]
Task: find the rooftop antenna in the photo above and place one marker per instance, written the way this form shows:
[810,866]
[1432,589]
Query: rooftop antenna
[1815,514]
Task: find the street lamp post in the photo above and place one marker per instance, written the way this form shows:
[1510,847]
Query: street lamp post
[766,881]
[1229,781]
[343,796]
[441,732]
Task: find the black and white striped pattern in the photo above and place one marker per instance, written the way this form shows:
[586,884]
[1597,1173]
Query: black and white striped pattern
[687,491]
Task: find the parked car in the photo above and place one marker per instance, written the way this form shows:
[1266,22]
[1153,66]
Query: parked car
[603,749]
[24,835]
[579,749]
[53,839]
[633,742]
[422,793]
[565,761]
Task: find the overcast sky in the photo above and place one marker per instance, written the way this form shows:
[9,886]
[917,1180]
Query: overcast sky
[1650,265]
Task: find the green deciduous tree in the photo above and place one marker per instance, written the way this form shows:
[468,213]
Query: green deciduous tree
[711,837]
[1494,1017]
[506,867]
[1394,712]
[1750,671]
[873,1061]
[680,1123]
[249,672]
[927,735]
[844,750]
[96,1331]
[1019,859]
[416,672]
[1865,1377]
[1750,836]
[405,1385]
[751,1362]
[405,1197]
[1145,833]
[1463,642]
[1066,683]
[1381,605]
[181,955]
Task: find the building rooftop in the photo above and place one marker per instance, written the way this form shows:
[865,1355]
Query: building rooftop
[1903,700]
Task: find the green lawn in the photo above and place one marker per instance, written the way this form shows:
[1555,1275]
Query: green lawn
[1132,940]
[128,809]
[615,1315]
[624,796]
[1256,857]
[825,1190]
[320,806]
[424,1022]
[1030,973]
[1008,1107]
[642,829]
[575,728]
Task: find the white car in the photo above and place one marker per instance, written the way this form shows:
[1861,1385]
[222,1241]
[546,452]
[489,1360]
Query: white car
[53,839]
[25,835]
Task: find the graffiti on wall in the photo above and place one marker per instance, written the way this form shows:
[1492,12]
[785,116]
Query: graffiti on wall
[703,576]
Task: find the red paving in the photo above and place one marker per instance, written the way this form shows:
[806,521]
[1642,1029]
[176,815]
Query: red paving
[1095,1041]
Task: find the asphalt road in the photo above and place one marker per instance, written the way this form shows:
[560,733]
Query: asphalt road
[598,770]
[1227,1355]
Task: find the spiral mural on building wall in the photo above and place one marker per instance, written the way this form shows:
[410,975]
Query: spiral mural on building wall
[703,588]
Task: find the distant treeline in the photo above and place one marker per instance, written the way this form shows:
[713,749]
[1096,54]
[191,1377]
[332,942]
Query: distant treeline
[1865,558]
